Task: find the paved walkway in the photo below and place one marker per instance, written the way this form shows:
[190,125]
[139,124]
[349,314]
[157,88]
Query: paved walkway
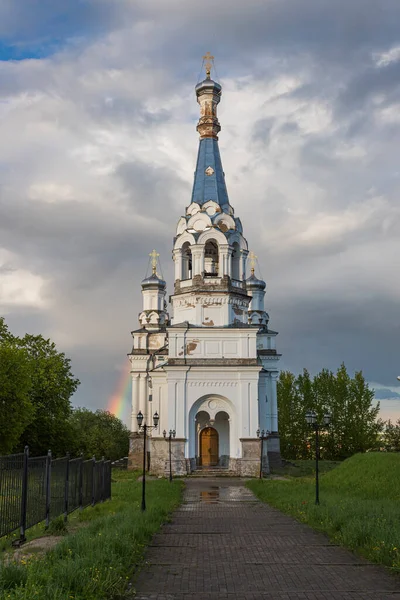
[223,544]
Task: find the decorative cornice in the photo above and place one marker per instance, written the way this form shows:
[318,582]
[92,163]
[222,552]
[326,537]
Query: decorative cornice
[214,362]
[212,383]
[241,302]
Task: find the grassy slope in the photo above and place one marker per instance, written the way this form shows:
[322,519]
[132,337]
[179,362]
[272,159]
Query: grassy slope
[97,561]
[360,504]
[302,468]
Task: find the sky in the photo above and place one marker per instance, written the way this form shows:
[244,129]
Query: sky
[98,149]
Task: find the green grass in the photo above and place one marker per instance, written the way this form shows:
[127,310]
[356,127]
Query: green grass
[97,561]
[302,468]
[359,504]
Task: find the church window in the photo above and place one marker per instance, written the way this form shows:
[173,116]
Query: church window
[211,259]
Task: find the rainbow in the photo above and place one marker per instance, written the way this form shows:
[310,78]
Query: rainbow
[120,401]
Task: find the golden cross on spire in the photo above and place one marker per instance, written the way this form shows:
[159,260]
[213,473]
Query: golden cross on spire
[207,57]
[154,256]
[252,261]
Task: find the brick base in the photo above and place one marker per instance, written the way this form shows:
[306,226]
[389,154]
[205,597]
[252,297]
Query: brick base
[158,456]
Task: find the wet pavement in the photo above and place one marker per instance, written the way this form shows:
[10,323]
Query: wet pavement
[223,543]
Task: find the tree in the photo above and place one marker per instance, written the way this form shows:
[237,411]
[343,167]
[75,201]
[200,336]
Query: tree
[355,426]
[16,409]
[391,436]
[4,333]
[99,434]
[292,425]
[52,387]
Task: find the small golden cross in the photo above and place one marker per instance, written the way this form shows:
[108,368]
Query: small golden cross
[252,261]
[207,57]
[154,255]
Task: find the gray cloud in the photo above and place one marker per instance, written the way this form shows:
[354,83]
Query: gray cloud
[99,148]
[385,394]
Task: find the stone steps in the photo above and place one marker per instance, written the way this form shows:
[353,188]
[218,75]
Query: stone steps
[212,472]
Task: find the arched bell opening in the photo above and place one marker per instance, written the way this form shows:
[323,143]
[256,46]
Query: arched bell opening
[186,261]
[211,259]
[236,262]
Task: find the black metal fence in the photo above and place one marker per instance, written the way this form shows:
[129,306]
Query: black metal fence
[35,489]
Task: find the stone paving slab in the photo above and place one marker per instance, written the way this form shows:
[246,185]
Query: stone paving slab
[223,544]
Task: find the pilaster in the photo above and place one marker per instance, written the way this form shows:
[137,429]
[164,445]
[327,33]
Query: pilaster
[135,402]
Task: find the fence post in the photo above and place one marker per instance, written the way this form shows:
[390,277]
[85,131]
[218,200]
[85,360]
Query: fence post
[24,498]
[66,490]
[48,488]
[102,479]
[81,483]
[94,482]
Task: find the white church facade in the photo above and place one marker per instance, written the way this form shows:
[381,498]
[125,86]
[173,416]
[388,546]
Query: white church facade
[210,371]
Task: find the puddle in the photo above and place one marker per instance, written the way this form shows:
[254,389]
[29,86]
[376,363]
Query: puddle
[210,496]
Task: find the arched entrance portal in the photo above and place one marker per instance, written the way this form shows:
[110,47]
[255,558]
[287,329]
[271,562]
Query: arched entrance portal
[209,452]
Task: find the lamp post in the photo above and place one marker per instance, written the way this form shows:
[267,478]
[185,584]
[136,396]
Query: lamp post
[262,435]
[145,428]
[311,419]
[172,433]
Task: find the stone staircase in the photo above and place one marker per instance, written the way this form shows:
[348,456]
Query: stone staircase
[213,472]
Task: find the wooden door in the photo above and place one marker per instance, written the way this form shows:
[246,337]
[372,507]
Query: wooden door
[209,447]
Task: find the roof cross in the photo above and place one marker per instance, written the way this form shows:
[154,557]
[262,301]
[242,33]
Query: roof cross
[207,57]
[252,261]
[154,256]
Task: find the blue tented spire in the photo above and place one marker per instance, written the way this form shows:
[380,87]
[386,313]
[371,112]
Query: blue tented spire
[209,180]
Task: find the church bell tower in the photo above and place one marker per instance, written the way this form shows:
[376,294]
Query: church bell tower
[210,371]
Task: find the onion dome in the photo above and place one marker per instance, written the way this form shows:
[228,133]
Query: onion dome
[153,281]
[208,86]
[252,283]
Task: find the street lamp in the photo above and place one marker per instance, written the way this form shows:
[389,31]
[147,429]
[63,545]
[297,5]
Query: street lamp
[172,433]
[311,418]
[145,428]
[263,435]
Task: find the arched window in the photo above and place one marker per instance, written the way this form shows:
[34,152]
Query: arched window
[186,261]
[236,262]
[211,259]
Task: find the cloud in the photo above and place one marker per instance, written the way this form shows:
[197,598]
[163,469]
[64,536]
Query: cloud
[386,394]
[98,151]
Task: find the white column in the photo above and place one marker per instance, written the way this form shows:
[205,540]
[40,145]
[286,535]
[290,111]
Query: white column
[181,408]
[172,400]
[177,256]
[224,266]
[274,401]
[244,254]
[253,403]
[262,401]
[142,395]
[229,262]
[197,259]
[244,417]
[135,402]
